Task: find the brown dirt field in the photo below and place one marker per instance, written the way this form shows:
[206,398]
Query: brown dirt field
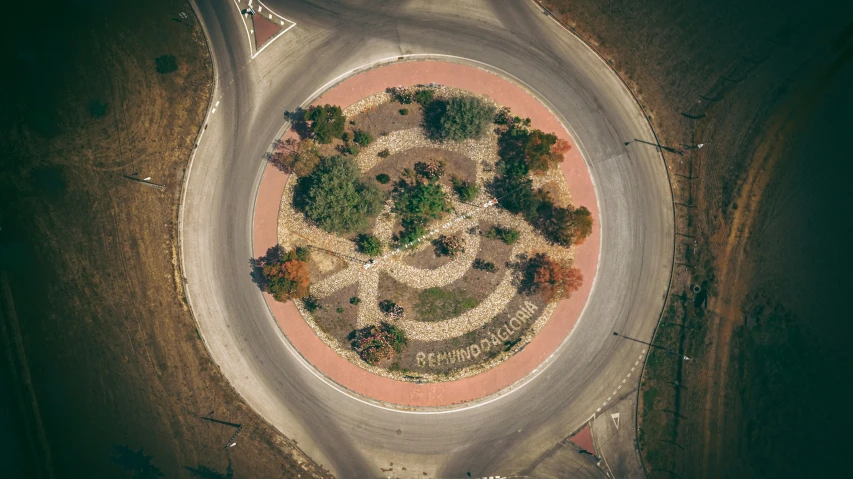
[746,79]
[386,118]
[94,304]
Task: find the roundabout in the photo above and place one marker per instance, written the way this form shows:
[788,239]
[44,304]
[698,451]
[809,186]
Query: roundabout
[481,380]
[571,380]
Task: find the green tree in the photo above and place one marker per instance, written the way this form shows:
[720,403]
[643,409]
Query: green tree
[362,137]
[166,64]
[516,194]
[335,199]
[328,122]
[135,462]
[466,190]
[421,203]
[369,245]
[286,277]
[459,119]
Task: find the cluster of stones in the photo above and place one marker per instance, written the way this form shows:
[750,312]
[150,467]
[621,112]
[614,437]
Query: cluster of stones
[294,229]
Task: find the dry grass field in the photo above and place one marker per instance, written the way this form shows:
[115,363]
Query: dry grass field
[760,222]
[99,347]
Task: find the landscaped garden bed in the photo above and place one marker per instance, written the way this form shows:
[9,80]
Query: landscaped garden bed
[433,229]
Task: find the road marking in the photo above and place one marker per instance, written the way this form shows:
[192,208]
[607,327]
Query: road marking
[615,417]
[250,32]
[217,103]
[213,111]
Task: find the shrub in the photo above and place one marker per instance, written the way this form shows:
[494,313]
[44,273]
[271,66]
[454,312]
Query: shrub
[421,203]
[460,118]
[522,150]
[286,277]
[334,198]
[564,226]
[362,137]
[430,171]
[391,309]
[554,281]
[404,111]
[484,265]
[355,300]
[328,122]
[291,156]
[383,178]
[411,234]
[369,245]
[339,310]
[310,303]
[449,246]
[377,343]
[402,94]
[351,149]
[503,117]
[384,154]
[424,96]
[517,195]
[302,254]
[166,64]
[507,235]
[466,190]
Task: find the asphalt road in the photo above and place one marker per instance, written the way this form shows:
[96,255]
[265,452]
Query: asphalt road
[513,434]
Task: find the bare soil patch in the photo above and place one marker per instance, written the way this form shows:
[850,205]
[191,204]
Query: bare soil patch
[387,118]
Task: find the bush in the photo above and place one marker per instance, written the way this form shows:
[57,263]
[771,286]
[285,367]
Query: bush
[334,198]
[355,300]
[300,157]
[484,265]
[383,178]
[507,235]
[430,171]
[310,303]
[459,119]
[362,137]
[424,96]
[369,245]
[328,122]
[402,95]
[377,343]
[449,246]
[466,190]
[516,194]
[339,310]
[564,226]
[166,64]
[384,154]
[302,254]
[522,150]
[286,277]
[391,309]
[411,234]
[404,111]
[554,281]
[421,203]
[351,149]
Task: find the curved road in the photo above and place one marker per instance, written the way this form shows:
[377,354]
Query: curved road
[352,438]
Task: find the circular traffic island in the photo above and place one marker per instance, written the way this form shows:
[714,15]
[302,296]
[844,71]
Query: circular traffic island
[425,234]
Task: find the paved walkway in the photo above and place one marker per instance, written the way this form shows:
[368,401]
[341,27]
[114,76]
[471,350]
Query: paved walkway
[510,371]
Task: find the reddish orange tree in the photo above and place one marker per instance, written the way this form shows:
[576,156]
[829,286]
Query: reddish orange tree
[551,279]
[287,276]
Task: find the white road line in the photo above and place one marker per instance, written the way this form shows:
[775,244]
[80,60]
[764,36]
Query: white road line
[217,103]
[213,111]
